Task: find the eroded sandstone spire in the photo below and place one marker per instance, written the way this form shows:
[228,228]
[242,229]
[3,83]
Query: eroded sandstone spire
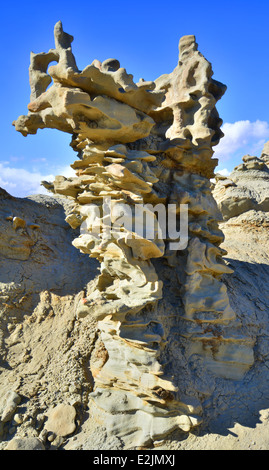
[143,143]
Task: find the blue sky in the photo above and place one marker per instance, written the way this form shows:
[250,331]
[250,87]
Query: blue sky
[143,36]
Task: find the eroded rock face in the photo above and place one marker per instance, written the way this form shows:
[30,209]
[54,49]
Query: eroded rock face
[265,153]
[61,420]
[246,188]
[145,143]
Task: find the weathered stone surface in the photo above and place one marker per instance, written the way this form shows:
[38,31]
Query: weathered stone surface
[38,296]
[27,443]
[9,405]
[145,143]
[61,420]
[265,153]
[247,187]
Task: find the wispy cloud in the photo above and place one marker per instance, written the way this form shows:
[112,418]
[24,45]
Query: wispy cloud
[242,137]
[21,183]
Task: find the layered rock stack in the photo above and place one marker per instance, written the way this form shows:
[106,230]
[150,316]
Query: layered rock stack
[246,188]
[142,143]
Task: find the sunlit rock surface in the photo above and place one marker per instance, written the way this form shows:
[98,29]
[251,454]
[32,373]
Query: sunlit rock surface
[159,310]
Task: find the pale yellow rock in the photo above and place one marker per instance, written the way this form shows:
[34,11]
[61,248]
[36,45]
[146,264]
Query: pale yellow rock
[142,143]
[26,443]
[61,420]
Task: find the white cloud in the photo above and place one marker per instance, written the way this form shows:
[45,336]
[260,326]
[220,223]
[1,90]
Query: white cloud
[224,172]
[21,183]
[242,137]
[66,171]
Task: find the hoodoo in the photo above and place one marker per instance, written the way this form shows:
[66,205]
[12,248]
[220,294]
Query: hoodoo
[147,144]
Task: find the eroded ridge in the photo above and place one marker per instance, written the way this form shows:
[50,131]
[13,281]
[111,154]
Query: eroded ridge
[246,188]
[141,143]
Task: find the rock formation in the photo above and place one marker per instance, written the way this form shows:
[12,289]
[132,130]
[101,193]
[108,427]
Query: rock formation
[246,188]
[265,153]
[143,143]
[46,351]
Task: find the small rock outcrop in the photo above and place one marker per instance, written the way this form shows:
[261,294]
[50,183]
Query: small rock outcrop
[27,443]
[265,153]
[246,188]
[61,420]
